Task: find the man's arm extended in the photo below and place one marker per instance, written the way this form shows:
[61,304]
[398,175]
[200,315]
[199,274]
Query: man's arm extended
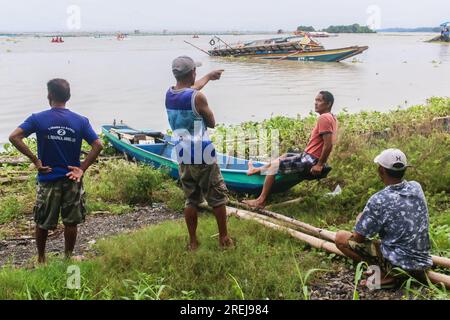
[213,75]
[327,147]
[75,172]
[201,105]
[16,139]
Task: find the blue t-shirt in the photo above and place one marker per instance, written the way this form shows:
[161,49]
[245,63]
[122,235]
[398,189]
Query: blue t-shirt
[399,215]
[59,133]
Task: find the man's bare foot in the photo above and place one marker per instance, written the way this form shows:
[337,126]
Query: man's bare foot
[226,242]
[76,258]
[192,246]
[42,260]
[251,169]
[256,203]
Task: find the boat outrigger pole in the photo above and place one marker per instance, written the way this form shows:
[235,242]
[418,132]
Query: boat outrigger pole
[198,48]
[223,42]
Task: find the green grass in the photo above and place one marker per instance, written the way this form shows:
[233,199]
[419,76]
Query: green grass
[114,186]
[135,266]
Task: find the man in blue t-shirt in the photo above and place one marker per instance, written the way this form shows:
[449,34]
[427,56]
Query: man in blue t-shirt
[399,215]
[59,133]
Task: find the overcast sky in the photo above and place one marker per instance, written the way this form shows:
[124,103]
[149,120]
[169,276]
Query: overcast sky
[198,15]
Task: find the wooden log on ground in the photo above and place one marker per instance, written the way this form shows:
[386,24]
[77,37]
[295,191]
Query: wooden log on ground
[14,162]
[14,179]
[434,277]
[6,172]
[292,201]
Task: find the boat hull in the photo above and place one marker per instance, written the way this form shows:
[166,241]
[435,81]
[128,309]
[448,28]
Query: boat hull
[333,55]
[322,55]
[438,39]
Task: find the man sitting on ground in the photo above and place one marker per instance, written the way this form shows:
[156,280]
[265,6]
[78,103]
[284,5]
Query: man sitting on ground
[399,215]
[312,160]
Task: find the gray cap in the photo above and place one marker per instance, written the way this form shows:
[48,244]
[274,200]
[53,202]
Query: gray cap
[392,159]
[183,65]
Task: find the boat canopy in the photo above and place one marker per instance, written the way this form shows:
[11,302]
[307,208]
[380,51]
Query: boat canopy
[445,24]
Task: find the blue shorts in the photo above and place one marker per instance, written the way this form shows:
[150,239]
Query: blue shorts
[297,163]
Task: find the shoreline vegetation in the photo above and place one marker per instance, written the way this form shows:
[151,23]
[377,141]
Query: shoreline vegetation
[152,263]
[353,28]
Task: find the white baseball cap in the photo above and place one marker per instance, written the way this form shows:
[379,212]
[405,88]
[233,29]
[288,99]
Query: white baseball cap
[392,159]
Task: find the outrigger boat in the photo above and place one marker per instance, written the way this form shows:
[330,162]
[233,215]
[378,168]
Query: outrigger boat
[289,48]
[155,149]
[444,36]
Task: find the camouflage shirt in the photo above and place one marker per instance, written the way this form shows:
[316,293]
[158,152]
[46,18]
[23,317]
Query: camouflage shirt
[399,214]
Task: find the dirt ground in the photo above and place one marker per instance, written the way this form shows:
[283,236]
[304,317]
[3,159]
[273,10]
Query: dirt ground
[339,285]
[21,249]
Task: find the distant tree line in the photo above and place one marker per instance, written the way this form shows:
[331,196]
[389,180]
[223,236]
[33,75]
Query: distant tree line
[354,28]
[306,28]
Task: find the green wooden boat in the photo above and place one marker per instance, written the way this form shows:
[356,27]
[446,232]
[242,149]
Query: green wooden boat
[290,48]
[154,148]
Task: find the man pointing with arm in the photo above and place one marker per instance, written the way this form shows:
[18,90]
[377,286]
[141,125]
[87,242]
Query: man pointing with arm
[189,117]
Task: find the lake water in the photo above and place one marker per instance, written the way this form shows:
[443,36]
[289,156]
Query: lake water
[127,80]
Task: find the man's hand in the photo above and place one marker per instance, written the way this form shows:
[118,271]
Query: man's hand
[75,173]
[40,168]
[317,169]
[215,75]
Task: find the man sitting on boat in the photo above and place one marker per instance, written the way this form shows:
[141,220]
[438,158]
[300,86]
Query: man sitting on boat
[399,215]
[312,160]
[189,117]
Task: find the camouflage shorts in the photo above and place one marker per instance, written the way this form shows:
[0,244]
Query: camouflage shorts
[369,250]
[203,181]
[62,196]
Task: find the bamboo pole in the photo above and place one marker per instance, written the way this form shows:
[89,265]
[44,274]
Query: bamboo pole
[441,261]
[197,48]
[313,241]
[14,179]
[434,277]
[284,203]
[331,236]
[14,162]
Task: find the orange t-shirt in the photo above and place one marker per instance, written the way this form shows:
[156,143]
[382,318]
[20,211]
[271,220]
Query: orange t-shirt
[327,123]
